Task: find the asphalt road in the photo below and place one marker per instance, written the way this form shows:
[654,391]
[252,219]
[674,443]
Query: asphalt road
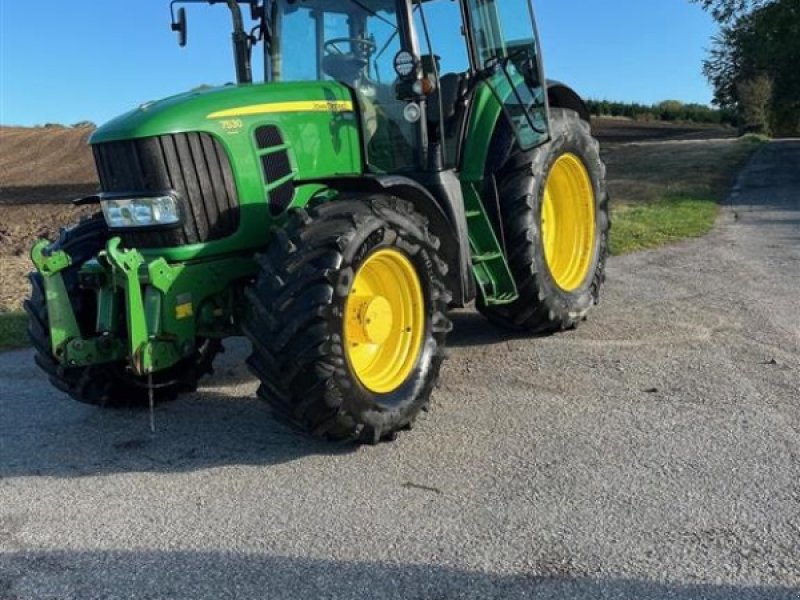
[653,453]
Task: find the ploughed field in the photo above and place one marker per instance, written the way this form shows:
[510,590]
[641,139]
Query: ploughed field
[614,130]
[43,169]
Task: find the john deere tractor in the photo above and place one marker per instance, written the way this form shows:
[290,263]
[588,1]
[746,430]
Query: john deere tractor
[400,158]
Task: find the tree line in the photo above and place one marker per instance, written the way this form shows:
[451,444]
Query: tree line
[668,110]
[754,63]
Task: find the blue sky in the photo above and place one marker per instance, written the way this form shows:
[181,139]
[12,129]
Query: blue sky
[65,61]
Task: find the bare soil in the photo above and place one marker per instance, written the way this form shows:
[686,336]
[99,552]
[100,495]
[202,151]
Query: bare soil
[61,152]
[649,171]
[43,169]
[616,131]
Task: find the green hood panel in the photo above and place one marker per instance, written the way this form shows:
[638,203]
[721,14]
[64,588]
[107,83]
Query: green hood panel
[191,111]
[318,120]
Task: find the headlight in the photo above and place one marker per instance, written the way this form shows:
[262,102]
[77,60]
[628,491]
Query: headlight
[122,213]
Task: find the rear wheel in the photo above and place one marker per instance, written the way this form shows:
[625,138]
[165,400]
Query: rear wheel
[347,318]
[108,384]
[554,216]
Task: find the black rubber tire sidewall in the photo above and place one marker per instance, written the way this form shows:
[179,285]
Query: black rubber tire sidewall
[542,305]
[573,304]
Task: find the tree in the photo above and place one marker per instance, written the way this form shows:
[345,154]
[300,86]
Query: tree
[726,11]
[758,52]
[755,97]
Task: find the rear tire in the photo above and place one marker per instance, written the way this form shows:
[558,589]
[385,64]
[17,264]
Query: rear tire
[108,384]
[301,318]
[552,296]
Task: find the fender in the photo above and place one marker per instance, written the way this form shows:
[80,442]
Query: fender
[444,210]
[485,123]
[560,95]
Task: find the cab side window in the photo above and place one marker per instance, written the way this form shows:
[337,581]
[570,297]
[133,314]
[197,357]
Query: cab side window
[448,52]
[505,36]
[447,38]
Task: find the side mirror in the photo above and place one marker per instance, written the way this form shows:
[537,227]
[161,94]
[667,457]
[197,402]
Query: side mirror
[256,10]
[180,27]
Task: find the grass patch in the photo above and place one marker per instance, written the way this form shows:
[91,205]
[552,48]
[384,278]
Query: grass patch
[13,330]
[755,138]
[665,192]
[653,224]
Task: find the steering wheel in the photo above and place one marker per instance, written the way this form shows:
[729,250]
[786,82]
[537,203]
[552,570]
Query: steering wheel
[331,47]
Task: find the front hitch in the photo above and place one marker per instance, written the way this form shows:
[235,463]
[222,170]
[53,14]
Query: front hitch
[149,350]
[166,306]
[127,263]
[146,353]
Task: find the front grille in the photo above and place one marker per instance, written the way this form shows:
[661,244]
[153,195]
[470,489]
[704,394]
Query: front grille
[195,165]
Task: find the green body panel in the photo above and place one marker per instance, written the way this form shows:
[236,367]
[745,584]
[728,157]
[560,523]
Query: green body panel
[322,138]
[485,112]
[487,107]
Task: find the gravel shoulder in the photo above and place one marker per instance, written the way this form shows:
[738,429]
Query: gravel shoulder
[653,453]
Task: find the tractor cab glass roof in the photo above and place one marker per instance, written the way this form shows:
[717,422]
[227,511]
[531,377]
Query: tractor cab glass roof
[316,39]
[353,42]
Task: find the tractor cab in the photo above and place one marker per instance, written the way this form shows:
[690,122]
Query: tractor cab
[355,44]
[413,67]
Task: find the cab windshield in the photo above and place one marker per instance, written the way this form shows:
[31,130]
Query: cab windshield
[353,42]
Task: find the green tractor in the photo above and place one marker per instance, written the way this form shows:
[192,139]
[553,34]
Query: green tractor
[399,159]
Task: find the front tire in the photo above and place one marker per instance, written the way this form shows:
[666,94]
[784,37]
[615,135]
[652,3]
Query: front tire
[347,318]
[554,220]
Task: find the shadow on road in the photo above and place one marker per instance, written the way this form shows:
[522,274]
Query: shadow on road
[224,423]
[203,431]
[766,198]
[472,329]
[193,574]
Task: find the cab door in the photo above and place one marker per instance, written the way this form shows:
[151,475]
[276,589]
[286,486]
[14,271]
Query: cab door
[506,46]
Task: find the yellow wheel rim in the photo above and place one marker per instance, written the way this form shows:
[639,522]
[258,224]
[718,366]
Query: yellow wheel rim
[568,222]
[384,321]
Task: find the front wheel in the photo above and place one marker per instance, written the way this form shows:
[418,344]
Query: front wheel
[554,220]
[347,318]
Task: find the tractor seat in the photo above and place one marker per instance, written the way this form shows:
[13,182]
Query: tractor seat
[345,68]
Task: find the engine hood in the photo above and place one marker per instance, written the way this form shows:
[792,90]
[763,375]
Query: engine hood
[214,110]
